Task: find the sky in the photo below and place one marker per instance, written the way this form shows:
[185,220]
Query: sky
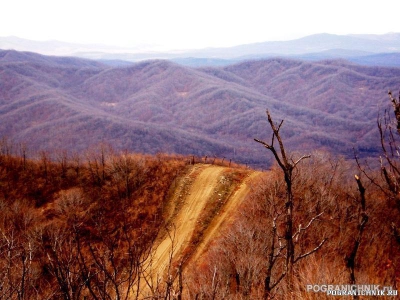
[179,24]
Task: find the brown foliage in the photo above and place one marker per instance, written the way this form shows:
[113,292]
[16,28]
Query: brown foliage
[77,227]
[237,264]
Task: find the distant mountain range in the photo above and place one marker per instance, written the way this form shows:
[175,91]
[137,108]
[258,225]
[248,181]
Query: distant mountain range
[50,102]
[382,50]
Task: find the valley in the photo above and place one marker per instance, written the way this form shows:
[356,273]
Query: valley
[51,103]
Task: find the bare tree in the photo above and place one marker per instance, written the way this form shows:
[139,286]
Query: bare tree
[112,263]
[390,168]
[363,219]
[396,108]
[17,254]
[61,261]
[126,173]
[287,165]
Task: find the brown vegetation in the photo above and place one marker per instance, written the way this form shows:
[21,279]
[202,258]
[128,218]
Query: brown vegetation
[85,227]
[250,254]
[79,228]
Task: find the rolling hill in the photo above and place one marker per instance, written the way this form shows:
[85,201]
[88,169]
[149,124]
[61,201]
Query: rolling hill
[50,102]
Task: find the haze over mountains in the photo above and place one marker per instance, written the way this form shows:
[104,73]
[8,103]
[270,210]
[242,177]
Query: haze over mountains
[155,106]
[365,49]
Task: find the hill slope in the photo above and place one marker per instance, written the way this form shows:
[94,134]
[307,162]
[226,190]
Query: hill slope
[158,106]
[190,217]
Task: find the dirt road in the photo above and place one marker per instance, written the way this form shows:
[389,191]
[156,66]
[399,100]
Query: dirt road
[224,215]
[196,190]
[184,222]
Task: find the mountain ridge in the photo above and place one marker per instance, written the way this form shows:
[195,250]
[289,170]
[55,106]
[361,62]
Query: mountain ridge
[312,44]
[159,106]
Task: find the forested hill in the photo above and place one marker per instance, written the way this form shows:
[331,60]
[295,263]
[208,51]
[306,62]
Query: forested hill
[156,106]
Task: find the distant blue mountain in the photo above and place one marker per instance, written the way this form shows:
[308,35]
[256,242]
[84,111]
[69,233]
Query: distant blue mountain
[363,49]
[380,59]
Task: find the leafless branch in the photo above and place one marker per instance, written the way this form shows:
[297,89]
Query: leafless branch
[311,252]
[300,159]
[307,226]
[363,171]
[278,280]
[263,143]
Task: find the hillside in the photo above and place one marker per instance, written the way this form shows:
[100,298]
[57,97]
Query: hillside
[108,225]
[134,214]
[158,106]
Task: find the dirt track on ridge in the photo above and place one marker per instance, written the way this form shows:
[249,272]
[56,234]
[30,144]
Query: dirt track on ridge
[224,215]
[184,223]
[187,204]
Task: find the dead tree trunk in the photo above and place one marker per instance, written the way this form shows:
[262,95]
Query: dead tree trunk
[396,108]
[351,258]
[389,160]
[287,165]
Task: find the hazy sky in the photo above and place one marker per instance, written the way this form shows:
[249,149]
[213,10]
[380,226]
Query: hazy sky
[187,24]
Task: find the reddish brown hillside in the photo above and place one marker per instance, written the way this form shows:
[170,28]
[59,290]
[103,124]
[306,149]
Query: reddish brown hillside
[107,225]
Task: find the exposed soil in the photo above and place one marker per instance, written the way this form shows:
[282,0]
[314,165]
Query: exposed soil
[195,190]
[224,216]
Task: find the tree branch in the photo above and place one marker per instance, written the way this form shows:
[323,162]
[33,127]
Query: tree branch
[300,159]
[311,252]
[308,225]
[263,143]
[273,150]
[278,137]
